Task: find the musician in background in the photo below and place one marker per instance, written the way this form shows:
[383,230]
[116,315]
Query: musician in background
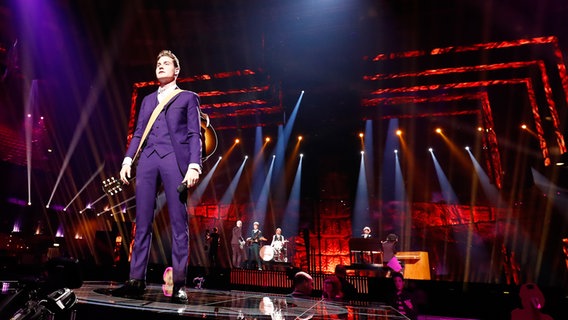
[390,248]
[279,245]
[365,256]
[214,244]
[254,246]
[238,245]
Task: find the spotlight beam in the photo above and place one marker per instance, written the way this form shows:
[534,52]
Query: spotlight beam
[292,211]
[491,192]
[28,136]
[361,208]
[262,203]
[230,192]
[93,176]
[117,205]
[90,104]
[95,202]
[447,191]
[200,189]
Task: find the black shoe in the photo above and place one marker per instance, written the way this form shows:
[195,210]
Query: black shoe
[179,296]
[131,289]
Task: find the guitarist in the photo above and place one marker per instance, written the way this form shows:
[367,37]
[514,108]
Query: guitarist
[238,245]
[254,248]
[169,152]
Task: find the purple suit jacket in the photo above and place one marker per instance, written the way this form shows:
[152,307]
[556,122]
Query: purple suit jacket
[184,126]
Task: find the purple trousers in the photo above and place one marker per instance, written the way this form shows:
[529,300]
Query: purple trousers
[149,169]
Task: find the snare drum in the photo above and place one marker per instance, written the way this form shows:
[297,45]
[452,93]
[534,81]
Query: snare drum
[266,253]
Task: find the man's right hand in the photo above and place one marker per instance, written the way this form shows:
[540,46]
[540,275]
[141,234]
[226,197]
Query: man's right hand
[125,173]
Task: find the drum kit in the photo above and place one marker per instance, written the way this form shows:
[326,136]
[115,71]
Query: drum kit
[277,252]
[266,253]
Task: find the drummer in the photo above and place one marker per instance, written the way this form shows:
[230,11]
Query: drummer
[254,248]
[278,242]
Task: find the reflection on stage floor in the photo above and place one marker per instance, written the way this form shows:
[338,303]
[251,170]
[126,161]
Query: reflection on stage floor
[218,304]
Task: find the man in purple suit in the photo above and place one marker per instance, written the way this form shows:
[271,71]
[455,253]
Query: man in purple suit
[171,153]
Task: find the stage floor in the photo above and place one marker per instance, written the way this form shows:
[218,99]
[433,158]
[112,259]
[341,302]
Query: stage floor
[217,304]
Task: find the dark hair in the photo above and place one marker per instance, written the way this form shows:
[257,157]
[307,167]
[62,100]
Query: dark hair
[397,275]
[340,270]
[335,285]
[392,237]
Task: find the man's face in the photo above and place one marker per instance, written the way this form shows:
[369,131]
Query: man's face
[239,223]
[165,70]
[398,283]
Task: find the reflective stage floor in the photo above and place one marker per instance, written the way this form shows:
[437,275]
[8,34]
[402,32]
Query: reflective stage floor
[95,302]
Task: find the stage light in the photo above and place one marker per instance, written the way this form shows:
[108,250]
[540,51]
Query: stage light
[301,155]
[273,156]
[524,126]
[220,158]
[467,148]
[562,160]
[438,130]
[399,132]
[237,140]
[395,151]
[361,135]
[29,115]
[267,139]
[479,129]
[300,138]
[430,149]
[362,152]
[246,157]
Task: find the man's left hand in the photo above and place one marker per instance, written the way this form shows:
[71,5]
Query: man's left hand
[191,178]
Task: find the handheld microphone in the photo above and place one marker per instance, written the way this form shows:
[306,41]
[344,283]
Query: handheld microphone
[182,188]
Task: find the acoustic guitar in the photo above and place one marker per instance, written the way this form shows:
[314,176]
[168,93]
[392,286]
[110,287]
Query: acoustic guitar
[208,138]
[209,142]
